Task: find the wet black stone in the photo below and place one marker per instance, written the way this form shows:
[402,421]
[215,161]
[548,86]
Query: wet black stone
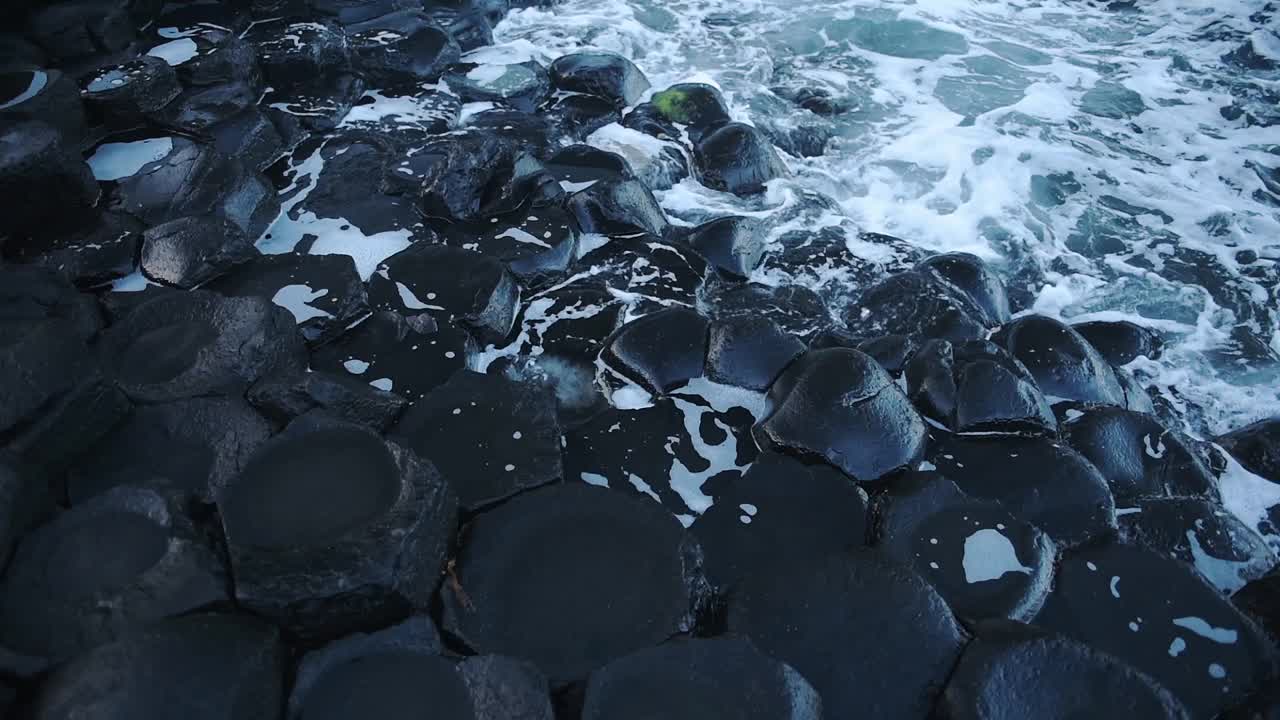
[648,119]
[402,47]
[31,297]
[609,76]
[891,351]
[686,679]
[75,30]
[212,666]
[1260,598]
[795,308]
[330,528]
[45,185]
[37,368]
[1137,455]
[123,95]
[183,345]
[981,559]
[733,245]
[537,244]
[1256,447]
[832,618]
[191,180]
[121,561]
[737,158]
[408,356]
[1120,342]
[191,251]
[577,164]
[283,398]
[537,134]
[841,406]
[435,113]
[661,351]
[56,101]
[453,283]
[522,86]
[350,186]
[402,671]
[203,107]
[571,577]
[1011,671]
[618,207]
[749,352]
[1063,363]
[470,25]
[295,54]
[1223,549]
[918,304]
[976,386]
[1039,480]
[348,12]
[576,116]
[1136,605]
[221,57]
[317,104]
[490,437]
[969,275]
[698,106]
[192,446]
[781,512]
[479,174]
[323,292]
[1136,397]
[657,274]
[251,203]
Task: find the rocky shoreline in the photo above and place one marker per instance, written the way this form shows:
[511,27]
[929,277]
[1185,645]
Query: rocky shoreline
[340,377]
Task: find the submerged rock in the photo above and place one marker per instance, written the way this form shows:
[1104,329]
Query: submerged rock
[728,674]
[110,566]
[1010,670]
[509,430]
[572,577]
[828,618]
[841,406]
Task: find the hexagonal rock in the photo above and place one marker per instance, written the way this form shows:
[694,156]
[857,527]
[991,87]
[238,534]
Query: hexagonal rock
[661,351]
[618,207]
[537,244]
[737,158]
[729,675]
[699,106]
[1221,547]
[490,437]
[324,292]
[572,577]
[1261,600]
[606,75]
[299,52]
[402,47]
[1063,363]
[1012,671]
[977,386]
[192,446]
[1120,342]
[982,560]
[522,86]
[840,405]
[182,345]
[734,245]
[190,251]
[49,96]
[124,95]
[920,304]
[409,356]
[402,672]
[285,397]
[331,528]
[1037,479]
[782,511]
[869,634]
[121,561]
[1257,447]
[1156,614]
[46,170]
[1137,455]
[451,282]
[968,274]
[749,352]
[214,667]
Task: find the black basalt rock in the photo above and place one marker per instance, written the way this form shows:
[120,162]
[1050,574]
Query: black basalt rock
[124,95]
[408,356]
[749,352]
[285,397]
[618,207]
[728,674]
[214,666]
[977,386]
[191,251]
[698,106]
[1137,455]
[1063,363]
[869,634]
[737,158]
[30,93]
[733,245]
[119,562]
[571,577]
[1256,447]
[330,529]
[969,275]
[1010,671]
[401,47]
[919,304]
[45,185]
[522,86]
[841,406]
[509,431]
[1120,342]
[661,351]
[183,345]
[610,76]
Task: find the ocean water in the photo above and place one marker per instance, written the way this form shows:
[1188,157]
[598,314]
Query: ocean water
[1110,163]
